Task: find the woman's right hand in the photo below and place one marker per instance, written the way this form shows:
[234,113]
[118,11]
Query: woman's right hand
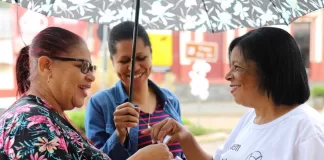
[125,116]
[154,151]
[169,127]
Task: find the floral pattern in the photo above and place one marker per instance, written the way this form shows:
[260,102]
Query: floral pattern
[31,130]
[192,15]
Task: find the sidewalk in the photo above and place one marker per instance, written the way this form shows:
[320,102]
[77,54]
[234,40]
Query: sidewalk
[223,108]
[221,124]
[218,123]
[214,137]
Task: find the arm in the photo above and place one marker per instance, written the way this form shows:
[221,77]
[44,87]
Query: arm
[179,133]
[189,145]
[103,137]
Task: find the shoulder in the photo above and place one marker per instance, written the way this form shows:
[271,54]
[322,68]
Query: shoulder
[23,111]
[308,122]
[28,124]
[247,118]
[105,97]
[104,93]
[115,93]
[169,95]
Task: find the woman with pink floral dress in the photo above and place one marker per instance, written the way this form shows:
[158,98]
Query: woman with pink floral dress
[53,75]
[32,129]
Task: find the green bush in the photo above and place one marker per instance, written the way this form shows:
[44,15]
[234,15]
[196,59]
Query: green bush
[77,118]
[195,129]
[186,121]
[318,91]
[198,130]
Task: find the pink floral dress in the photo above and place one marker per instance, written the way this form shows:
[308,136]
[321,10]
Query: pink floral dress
[31,130]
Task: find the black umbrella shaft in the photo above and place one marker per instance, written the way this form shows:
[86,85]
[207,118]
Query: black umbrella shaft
[133,60]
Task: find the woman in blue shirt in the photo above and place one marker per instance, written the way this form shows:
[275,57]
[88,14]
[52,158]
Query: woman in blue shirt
[106,123]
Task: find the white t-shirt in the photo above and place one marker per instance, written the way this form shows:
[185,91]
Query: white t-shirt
[297,135]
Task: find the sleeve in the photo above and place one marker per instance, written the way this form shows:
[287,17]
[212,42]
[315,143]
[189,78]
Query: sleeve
[311,149]
[175,103]
[34,139]
[103,137]
[177,107]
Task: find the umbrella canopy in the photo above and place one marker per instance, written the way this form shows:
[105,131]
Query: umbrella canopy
[192,15]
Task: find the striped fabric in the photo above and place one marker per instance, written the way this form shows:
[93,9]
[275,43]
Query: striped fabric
[157,116]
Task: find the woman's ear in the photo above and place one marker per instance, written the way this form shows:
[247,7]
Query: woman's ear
[44,65]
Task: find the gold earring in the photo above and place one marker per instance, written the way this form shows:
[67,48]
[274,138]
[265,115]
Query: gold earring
[48,78]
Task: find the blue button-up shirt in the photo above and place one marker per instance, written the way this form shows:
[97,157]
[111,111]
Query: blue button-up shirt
[99,119]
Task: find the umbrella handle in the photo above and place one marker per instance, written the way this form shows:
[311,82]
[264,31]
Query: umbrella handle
[133,59]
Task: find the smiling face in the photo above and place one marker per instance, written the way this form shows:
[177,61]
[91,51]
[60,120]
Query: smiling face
[243,79]
[68,84]
[122,62]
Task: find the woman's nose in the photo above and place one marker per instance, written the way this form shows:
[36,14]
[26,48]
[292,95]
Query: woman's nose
[90,76]
[229,76]
[136,67]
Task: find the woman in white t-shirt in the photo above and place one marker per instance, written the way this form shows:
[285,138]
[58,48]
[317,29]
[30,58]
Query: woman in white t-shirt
[267,73]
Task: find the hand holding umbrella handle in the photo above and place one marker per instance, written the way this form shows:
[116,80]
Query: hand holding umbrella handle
[128,129]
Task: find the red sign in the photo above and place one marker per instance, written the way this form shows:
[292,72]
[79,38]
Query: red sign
[203,51]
